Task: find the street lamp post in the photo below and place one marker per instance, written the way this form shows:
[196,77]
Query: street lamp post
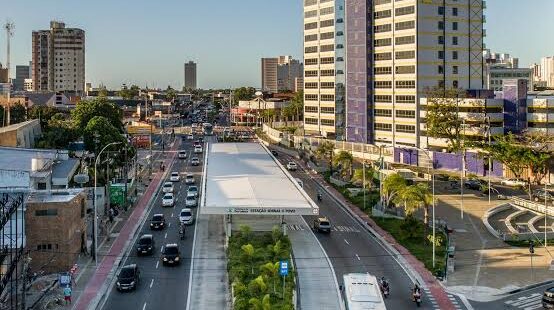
[95,225]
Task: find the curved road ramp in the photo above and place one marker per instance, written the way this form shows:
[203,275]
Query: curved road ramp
[243,184]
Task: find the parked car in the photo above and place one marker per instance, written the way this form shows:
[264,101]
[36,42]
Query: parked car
[473,184]
[322,224]
[186,217]
[167,200]
[168,187]
[157,222]
[192,190]
[189,179]
[195,161]
[182,154]
[174,177]
[291,166]
[171,254]
[128,278]
[548,298]
[191,201]
[514,182]
[540,194]
[146,245]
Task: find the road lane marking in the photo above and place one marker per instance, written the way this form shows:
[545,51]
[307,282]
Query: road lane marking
[151,283]
[157,264]
[162,250]
[165,236]
[346,242]
[168,225]
[144,306]
[171,214]
[358,257]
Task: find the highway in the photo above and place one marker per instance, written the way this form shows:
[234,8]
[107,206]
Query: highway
[353,250]
[162,287]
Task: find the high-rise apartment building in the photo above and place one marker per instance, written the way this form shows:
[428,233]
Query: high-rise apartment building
[367,63]
[281,73]
[190,75]
[58,62]
[547,70]
[500,67]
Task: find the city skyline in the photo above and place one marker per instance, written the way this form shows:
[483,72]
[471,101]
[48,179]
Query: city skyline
[276,34]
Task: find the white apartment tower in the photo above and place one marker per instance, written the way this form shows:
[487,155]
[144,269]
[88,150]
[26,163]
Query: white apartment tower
[59,59]
[368,62]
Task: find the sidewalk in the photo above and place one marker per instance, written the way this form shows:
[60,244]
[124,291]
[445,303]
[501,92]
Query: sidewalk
[96,286]
[434,287]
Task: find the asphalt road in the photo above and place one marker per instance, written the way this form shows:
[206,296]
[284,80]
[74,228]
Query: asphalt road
[353,250]
[529,299]
[162,287]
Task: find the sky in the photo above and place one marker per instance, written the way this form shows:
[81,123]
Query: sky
[145,42]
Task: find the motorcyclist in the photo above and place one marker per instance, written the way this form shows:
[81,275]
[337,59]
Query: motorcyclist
[384,283]
[416,289]
[319,196]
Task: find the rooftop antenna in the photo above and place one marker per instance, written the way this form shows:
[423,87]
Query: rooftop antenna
[9,26]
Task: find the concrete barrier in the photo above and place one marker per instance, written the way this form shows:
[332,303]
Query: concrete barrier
[508,220]
[490,213]
[531,223]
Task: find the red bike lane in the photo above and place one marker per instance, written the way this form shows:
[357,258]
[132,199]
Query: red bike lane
[117,249]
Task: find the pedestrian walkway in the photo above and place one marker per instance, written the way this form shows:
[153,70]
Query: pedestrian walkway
[529,302]
[316,283]
[98,284]
[209,289]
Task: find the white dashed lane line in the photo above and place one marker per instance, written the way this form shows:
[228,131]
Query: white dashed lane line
[358,257]
[151,283]
[346,242]
[157,264]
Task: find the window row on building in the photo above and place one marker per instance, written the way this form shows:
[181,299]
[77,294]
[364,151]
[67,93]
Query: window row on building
[323,110]
[399,113]
[326,72]
[323,85]
[399,98]
[399,127]
[322,97]
[314,121]
[322,60]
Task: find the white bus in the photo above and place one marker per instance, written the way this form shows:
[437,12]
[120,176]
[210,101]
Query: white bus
[362,292]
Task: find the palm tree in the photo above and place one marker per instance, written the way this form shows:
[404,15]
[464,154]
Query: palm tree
[264,304]
[392,186]
[417,197]
[248,251]
[358,176]
[270,270]
[325,151]
[344,159]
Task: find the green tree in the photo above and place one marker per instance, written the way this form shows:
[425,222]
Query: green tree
[415,197]
[345,160]
[270,270]
[392,186]
[442,118]
[244,93]
[257,304]
[43,113]
[86,110]
[103,92]
[257,286]
[58,133]
[358,176]
[508,150]
[18,113]
[248,251]
[326,150]
[170,93]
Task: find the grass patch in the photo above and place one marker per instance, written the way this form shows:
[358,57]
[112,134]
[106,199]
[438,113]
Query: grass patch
[409,233]
[253,269]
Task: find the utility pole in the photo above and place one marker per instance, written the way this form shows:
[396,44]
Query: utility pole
[9,26]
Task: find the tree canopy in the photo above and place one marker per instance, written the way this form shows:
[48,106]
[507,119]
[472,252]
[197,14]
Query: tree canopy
[244,93]
[442,118]
[88,109]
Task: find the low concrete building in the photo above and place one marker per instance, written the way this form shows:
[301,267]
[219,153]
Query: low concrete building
[21,135]
[55,225]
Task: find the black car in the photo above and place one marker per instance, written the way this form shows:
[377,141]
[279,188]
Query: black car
[548,298]
[275,153]
[171,254]
[146,245]
[157,222]
[322,224]
[541,194]
[473,184]
[128,278]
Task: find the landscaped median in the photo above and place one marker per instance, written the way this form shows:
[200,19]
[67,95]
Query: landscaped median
[254,273]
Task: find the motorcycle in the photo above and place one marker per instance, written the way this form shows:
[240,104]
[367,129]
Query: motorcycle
[416,297]
[319,197]
[385,289]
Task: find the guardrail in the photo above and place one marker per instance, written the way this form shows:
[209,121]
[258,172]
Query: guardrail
[533,206]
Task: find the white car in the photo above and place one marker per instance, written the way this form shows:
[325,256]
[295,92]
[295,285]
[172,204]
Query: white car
[513,182]
[291,166]
[167,187]
[192,190]
[189,179]
[174,177]
[190,137]
[195,161]
[182,154]
[191,201]
[167,200]
[198,150]
[185,217]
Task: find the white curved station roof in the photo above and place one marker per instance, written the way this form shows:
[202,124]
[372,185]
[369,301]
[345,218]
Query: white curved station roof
[244,178]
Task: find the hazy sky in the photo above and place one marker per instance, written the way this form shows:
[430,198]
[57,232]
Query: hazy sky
[145,41]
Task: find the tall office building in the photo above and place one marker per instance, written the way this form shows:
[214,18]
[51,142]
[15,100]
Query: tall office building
[547,70]
[190,75]
[21,73]
[367,63]
[281,73]
[58,62]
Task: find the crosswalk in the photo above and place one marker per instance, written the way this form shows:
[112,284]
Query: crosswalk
[346,229]
[529,302]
